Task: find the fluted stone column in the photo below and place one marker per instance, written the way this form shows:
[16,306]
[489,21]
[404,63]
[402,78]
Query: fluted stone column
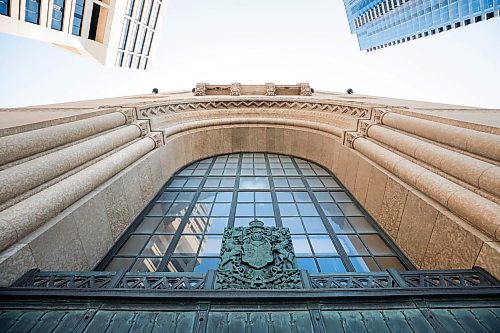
[17,146]
[478,211]
[23,177]
[19,220]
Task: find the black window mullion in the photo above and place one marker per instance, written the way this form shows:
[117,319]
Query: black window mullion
[274,197]
[331,232]
[232,212]
[163,264]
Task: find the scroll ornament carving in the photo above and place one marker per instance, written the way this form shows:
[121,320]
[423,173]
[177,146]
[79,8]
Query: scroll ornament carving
[270,89]
[305,89]
[257,257]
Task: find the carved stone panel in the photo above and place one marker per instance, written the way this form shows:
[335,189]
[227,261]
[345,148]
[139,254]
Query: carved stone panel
[257,257]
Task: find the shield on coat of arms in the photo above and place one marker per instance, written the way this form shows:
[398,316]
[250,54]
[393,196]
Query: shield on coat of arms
[257,253]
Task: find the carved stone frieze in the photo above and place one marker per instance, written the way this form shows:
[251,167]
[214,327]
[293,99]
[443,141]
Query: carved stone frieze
[143,126]
[159,110]
[201,89]
[270,89]
[129,115]
[349,138]
[305,89]
[157,138]
[235,89]
[363,126]
[378,114]
[257,257]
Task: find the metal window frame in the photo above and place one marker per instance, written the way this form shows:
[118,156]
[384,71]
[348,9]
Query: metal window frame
[341,253]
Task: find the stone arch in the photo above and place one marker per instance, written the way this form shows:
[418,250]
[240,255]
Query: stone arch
[439,217]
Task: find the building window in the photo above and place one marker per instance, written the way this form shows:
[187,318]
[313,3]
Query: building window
[78,17]
[182,229]
[130,7]
[157,14]
[32,13]
[5,7]
[57,14]
[140,10]
[123,38]
[147,17]
[98,20]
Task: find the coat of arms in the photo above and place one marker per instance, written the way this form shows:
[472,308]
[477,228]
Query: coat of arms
[257,257]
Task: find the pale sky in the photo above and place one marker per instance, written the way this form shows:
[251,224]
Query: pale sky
[258,41]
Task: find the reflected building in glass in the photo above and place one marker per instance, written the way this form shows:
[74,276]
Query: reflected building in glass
[120,33]
[379,23]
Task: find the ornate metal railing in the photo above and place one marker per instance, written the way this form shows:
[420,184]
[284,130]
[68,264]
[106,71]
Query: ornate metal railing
[165,281]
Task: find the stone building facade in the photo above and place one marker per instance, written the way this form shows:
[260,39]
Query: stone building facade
[76,175]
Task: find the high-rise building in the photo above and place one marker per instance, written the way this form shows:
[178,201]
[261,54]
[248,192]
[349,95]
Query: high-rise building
[122,33]
[382,23]
[249,208]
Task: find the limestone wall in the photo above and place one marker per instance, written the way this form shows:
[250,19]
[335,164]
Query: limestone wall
[432,184]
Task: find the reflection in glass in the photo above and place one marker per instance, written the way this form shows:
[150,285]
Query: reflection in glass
[146,265]
[157,245]
[322,245]
[340,225]
[254,183]
[307,264]
[301,245]
[169,225]
[205,264]
[352,245]
[331,265]
[133,245]
[187,245]
[364,264]
[376,245]
[211,245]
[314,225]
[180,265]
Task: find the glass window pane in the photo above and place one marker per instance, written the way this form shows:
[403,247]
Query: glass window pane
[195,225]
[294,224]
[361,225]
[211,245]
[307,209]
[187,245]
[264,209]
[301,245]
[133,245]
[376,244]
[254,183]
[352,245]
[350,209]
[216,225]
[157,245]
[322,245]
[263,197]
[340,225]
[284,196]
[246,197]
[148,224]
[117,264]
[301,196]
[245,210]
[205,264]
[288,210]
[224,197]
[323,197]
[146,265]
[201,209]
[180,265]
[331,209]
[221,209]
[314,225]
[364,264]
[340,197]
[390,262]
[169,225]
[307,264]
[159,209]
[331,265]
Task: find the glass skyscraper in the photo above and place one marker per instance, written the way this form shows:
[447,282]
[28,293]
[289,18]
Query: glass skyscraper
[379,23]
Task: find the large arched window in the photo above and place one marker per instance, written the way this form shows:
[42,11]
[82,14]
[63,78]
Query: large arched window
[181,230]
